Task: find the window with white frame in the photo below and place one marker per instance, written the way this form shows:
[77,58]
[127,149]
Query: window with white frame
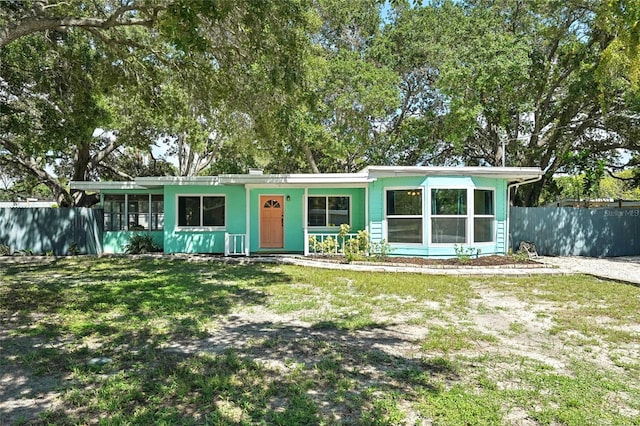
[200,211]
[483,215]
[448,216]
[328,210]
[404,215]
[451,215]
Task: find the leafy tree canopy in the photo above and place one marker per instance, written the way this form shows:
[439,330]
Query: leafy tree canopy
[87,88]
[516,82]
[84,83]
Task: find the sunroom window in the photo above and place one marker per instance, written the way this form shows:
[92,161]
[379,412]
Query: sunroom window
[328,210]
[114,212]
[157,212]
[133,212]
[138,212]
[404,215]
[448,216]
[201,211]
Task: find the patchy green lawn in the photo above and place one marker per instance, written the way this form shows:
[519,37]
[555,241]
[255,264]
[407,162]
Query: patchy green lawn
[157,341]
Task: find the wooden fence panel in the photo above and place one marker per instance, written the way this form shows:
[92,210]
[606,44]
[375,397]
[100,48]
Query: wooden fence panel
[52,230]
[566,231]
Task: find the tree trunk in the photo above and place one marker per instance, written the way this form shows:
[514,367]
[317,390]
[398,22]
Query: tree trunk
[82,199]
[310,159]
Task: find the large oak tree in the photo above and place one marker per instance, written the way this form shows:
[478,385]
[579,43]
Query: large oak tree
[82,81]
[522,77]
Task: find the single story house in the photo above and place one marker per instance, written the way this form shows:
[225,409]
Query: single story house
[417,211]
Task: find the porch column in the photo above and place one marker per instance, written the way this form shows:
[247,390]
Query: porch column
[366,210]
[305,206]
[247,215]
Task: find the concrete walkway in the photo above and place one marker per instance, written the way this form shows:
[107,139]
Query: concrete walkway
[626,268]
[510,270]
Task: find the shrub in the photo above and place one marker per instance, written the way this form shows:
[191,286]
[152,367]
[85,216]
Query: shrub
[73,250]
[464,254]
[5,250]
[141,243]
[380,249]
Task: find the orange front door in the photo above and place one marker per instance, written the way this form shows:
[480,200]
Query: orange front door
[271,221]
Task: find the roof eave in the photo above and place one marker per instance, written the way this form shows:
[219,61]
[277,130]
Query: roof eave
[294,179]
[510,173]
[98,186]
[149,182]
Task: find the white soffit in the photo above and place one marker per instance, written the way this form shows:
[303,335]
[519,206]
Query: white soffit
[511,173]
[97,186]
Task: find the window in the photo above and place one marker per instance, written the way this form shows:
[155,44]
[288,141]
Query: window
[404,216]
[483,216]
[328,210]
[133,212]
[114,212]
[449,216]
[138,212]
[201,211]
[157,212]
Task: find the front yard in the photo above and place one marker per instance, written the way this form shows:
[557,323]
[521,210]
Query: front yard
[158,341]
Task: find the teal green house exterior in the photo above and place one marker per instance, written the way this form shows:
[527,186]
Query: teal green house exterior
[417,211]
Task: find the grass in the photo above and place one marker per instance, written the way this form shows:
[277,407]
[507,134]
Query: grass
[143,341]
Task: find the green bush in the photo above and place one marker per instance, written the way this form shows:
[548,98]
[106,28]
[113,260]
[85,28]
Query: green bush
[380,249]
[141,243]
[464,254]
[5,250]
[73,250]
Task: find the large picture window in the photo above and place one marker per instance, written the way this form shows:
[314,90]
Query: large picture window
[448,216]
[483,215]
[328,210]
[201,211]
[404,215]
[451,213]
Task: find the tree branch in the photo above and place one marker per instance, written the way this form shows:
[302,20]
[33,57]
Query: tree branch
[32,25]
[116,172]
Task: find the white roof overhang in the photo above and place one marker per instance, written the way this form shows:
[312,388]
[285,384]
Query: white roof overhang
[512,174]
[360,179]
[302,179]
[158,182]
[98,186]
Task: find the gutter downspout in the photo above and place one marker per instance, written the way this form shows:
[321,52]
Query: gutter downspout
[515,185]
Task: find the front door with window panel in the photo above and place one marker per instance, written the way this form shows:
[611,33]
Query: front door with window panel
[272,221]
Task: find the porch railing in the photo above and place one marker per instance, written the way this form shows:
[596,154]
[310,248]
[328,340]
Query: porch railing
[235,244]
[326,244]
